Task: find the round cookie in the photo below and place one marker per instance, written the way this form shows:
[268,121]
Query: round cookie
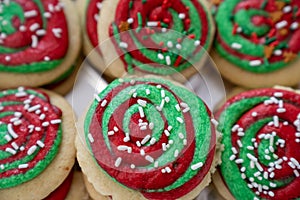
[155,137]
[156,37]
[40,41]
[36,143]
[89,12]
[92,192]
[257,42]
[261,140]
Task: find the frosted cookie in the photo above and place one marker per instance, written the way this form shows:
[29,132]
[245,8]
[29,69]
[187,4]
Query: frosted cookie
[36,143]
[261,141]
[89,11]
[146,138]
[39,41]
[156,37]
[258,42]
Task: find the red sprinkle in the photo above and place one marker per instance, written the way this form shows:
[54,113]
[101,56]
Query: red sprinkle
[166,20]
[254,38]
[179,40]
[272,32]
[178,60]
[188,21]
[161,43]
[275,43]
[234,30]
[191,36]
[164,49]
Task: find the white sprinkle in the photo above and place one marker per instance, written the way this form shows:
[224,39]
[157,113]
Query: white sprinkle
[177,107]
[8,138]
[132,166]
[254,114]
[40,143]
[90,137]
[142,152]
[7,58]
[271,194]
[2,166]
[197,43]
[181,136]
[22,28]
[167,133]
[168,170]
[146,139]
[34,108]
[147,91]
[34,27]
[164,147]
[23,166]
[42,116]
[259,167]
[255,63]
[152,23]
[55,121]
[234,151]
[215,122]
[278,52]
[232,157]
[297,134]
[123,45]
[276,121]
[138,143]
[31,150]
[30,13]
[11,131]
[152,141]
[142,103]
[196,166]
[103,103]
[97,98]
[122,148]
[130,20]
[287,9]
[256,174]
[40,32]
[296,173]
[278,94]
[170,44]
[156,164]
[294,25]
[251,157]
[149,158]
[281,110]
[57,32]
[14,145]
[110,133]
[176,153]
[243,169]
[158,86]
[160,56]
[179,119]
[168,60]
[239,143]
[239,161]
[236,45]
[250,147]
[45,124]
[181,15]
[46,58]
[118,162]
[185,142]
[267,157]
[162,93]
[116,129]
[10,150]
[151,125]
[171,142]
[235,128]
[178,46]
[291,165]
[163,171]
[295,162]
[34,41]
[281,24]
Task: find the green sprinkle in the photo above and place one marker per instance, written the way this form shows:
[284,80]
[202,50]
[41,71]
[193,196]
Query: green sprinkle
[164,25]
[264,4]
[270,40]
[282,45]
[140,22]
[130,4]
[144,1]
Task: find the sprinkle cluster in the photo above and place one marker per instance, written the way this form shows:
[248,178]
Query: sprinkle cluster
[29,134]
[261,141]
